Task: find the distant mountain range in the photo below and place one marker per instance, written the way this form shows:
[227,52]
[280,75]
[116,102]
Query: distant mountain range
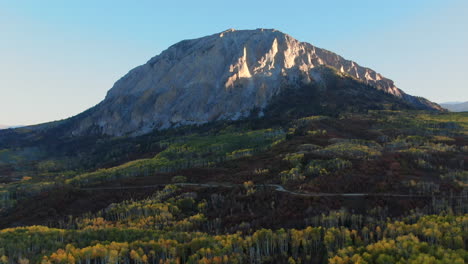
[6,126]
[456,106]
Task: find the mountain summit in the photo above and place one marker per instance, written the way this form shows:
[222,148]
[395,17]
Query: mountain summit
[221,77]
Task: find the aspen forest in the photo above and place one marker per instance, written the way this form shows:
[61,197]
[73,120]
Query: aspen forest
[384,186]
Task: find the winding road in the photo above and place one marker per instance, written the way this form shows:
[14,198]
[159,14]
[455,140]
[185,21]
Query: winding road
[276,187]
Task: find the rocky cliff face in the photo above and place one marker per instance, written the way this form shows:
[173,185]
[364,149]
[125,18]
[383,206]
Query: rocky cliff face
[222,76]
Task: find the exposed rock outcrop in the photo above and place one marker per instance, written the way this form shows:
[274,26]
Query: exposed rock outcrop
[222,76]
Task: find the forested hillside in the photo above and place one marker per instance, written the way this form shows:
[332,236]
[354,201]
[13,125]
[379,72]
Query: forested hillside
[384,186]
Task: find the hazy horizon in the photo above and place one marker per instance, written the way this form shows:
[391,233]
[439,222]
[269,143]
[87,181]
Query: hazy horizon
[61,58]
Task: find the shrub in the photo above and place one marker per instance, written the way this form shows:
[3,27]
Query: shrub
[308,147]
[325,167]
[293,174]
[294,158]
[351,150]
[249,187]
[179,179]
[460,177]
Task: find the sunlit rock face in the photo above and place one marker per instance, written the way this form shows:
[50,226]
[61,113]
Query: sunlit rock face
[222,76]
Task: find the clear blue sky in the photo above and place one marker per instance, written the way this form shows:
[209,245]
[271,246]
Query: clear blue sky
[58,58]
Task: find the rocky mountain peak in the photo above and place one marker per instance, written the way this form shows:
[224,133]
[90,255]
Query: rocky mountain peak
[221,76]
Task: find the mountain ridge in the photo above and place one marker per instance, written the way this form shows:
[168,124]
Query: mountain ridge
[224,76]
[456,106]
[8,126]
[221,76]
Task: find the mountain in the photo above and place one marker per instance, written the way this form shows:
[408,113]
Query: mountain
[6,126]
[226,76]
[310,162]
[456,107]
